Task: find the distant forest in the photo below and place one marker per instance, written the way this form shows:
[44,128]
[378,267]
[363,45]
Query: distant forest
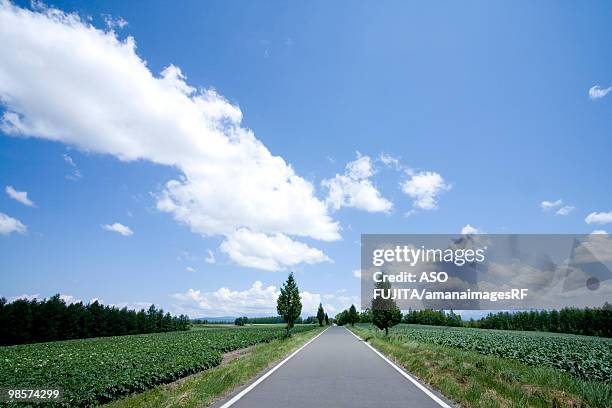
[33,321]
[241,321]
[587,321]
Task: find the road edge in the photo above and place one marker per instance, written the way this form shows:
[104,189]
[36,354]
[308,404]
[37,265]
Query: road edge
[413,380]
[268,373]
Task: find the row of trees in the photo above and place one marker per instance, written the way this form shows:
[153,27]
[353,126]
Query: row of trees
[587,321]
[241,321]
[206,321]
[321,319]
[349,316]
[32,321]
[384,313]
[268,320]
[433,317]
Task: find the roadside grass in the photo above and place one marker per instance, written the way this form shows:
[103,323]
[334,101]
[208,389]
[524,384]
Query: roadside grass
[477,380]
[204,388]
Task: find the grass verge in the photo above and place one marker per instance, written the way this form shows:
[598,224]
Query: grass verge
[206,387]
[476,380]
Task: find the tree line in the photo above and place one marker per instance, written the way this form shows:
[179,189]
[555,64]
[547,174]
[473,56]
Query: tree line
[241,321]
[33,321]
[319,319]
[587,321]
[433,318]
[384,313]
[349,316]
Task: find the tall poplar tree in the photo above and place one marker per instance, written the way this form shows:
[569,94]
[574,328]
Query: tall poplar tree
[353,317]
[289,305]
[320,314]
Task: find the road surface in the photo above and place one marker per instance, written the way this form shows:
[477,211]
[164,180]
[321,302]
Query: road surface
[337,369]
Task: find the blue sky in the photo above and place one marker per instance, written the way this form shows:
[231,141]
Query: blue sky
[487,109]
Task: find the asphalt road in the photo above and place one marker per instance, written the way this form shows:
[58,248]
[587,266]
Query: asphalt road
[335,370]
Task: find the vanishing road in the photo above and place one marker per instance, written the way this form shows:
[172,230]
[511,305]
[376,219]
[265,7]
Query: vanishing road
[336,369]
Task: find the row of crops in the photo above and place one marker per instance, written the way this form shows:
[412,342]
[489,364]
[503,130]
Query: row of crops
[94,371]
[589,358]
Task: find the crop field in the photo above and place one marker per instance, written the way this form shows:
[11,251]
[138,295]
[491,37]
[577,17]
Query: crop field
[588,358]
[94,371]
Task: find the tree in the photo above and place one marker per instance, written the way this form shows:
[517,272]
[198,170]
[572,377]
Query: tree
[365,316]
[320,314]
[342,318]
[167,322]
[385,312]
[326,320]
[353,317]
[289,305]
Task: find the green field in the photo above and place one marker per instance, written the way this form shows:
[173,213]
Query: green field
[94,371]
[494,368]
[206,326]
[584,357]
[202,389]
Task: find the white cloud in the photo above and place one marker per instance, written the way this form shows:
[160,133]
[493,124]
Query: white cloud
[469,230]
[119,228]
[69,299]
[596,92]
[269,252]
[114,22]
[258,300]
[310,302]
[599,218]
[355,189]
[424,188]
[357,273]
[547,205]
[92,91]
[565,210]
[25,296]
[190,269]
[210,258]
[128,305]
[599,232]
[390,161]
[21,196]
[9,225]
[360,168]
[76,173]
